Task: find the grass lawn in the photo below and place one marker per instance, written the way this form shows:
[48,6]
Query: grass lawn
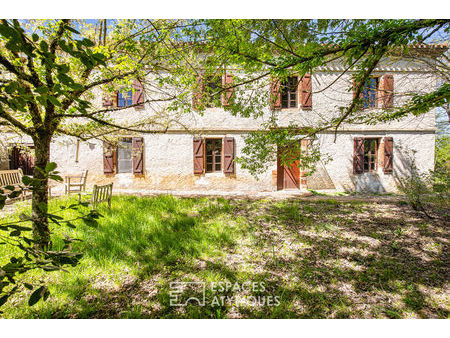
[322,258]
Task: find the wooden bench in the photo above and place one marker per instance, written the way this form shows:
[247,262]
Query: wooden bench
[100,194]
[76,183]
[12,178]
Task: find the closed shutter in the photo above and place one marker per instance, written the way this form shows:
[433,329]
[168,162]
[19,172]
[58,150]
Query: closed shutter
[108,158]
[198,93]
[358,155]
[388,91]
[138,94]
[228,155]
[275,94]
[388,155]
[227,82]
[199,145]
[138,155]
[306,94]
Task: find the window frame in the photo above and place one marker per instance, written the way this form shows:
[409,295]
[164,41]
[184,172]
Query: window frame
[287,90]
[212,84]
[367,103]
[127,102]
[214,162]
[121,141]
[372,158]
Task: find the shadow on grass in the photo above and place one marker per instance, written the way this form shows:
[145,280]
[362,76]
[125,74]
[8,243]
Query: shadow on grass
[323,259]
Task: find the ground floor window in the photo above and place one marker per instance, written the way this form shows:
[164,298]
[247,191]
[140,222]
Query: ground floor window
[124,156]
[370,154]
[213,152]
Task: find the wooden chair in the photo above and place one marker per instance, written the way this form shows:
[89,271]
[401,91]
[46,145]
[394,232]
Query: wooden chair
[75,183]
[12,178]
[100,193]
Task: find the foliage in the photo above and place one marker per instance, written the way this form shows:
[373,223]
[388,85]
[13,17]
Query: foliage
[26,255]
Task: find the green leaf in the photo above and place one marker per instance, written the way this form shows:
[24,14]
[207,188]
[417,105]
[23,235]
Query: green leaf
[37,295]
[35,37]
[28,286]
[50,167]
[44,46]
[4,299]
[73,30]
[54,100]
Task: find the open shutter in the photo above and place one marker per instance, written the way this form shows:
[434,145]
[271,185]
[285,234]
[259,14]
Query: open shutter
[306,94]
[138,94]
[388,155]
[227,82]
[228,155]
[388,91]
[198,93]
[275,94]
[138,155]
[109,100]
[108,158]
[199,145]
[358,155]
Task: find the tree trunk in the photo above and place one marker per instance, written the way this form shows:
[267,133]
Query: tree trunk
[39,202]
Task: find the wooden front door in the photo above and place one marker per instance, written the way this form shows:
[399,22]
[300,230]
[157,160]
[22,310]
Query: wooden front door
[288,177]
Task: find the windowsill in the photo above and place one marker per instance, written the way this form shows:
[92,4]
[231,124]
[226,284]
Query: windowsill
[215,174]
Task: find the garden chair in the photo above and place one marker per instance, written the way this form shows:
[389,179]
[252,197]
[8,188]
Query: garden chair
[100,193]
[75,183]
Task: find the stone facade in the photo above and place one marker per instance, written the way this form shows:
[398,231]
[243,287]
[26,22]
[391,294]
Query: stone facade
[168,157]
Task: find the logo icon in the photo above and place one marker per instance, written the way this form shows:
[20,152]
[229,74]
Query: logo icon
[184,292]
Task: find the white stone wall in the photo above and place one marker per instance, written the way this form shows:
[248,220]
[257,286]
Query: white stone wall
[169,157]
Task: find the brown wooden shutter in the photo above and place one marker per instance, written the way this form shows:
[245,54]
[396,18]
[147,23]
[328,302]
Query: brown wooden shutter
[306,94]
[358,155]
[138,94]
[138,155]
[388,91]
[199,150]
[109,100]
[198,93]
[228,155]
[108,158]
[275,94]
[227,81]
[388,155]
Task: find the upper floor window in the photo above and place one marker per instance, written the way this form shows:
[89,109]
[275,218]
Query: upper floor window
[124,98]
[369,93]
[213,88]
[289,92]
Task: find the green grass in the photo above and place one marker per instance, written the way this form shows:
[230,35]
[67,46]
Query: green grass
[324,259]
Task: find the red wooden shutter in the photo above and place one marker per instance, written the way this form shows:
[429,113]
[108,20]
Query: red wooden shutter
[198,93]
[306,95]
[228,155]
[358,155]
[108,159]
[227,81]
[275,94]
[199,145]
[138,94]
[388,155]
[138,155]
[388,91]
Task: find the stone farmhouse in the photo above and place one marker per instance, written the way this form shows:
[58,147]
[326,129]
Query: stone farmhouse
[200,155]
